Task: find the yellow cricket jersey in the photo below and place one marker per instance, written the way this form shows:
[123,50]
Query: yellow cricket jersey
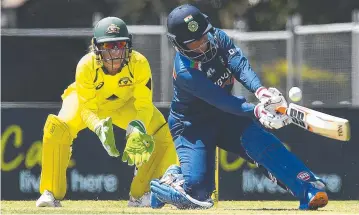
[98,91]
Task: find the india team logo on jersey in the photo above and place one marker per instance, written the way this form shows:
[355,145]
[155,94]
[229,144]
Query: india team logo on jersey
[125,81]
[113,29]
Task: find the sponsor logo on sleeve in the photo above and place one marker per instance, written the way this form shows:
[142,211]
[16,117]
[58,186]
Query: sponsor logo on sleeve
[232,51]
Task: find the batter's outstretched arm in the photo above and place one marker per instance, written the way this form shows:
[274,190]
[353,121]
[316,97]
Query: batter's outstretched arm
[238,64]
[197,84]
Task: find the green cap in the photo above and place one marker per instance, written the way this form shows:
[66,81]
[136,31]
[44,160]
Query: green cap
[110,29]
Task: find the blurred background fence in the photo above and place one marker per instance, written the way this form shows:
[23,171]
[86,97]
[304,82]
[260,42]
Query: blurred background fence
[321,59]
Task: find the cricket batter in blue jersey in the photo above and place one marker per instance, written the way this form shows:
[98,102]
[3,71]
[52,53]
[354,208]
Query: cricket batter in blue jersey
[204,114]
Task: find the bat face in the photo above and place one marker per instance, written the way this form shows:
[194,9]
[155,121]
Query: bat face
[299,117]
[317,122]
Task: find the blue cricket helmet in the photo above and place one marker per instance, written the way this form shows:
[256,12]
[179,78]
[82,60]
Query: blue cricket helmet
[186,24]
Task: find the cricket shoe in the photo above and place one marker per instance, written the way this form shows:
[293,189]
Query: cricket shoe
[171,174]
[156,203]
[144,201]
[47,200]
[315,198]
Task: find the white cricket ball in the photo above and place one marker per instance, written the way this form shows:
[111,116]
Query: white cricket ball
[295,94]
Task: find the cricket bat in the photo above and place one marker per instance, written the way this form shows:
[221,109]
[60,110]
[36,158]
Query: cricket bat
[317,122]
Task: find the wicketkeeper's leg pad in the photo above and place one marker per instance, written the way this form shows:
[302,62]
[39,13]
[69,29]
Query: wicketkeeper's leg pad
[56,153]
[169,190]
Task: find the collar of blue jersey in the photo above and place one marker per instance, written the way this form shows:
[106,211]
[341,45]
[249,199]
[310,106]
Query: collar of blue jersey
[190,63]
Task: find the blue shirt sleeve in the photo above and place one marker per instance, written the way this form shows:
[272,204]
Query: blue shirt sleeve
[238,64]
[197,84]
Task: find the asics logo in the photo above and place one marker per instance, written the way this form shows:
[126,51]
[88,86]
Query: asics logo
[100,85]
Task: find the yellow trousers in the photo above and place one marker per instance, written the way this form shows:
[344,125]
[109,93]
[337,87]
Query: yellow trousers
[55,158]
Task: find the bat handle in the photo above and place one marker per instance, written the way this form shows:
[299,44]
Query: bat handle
[282,110]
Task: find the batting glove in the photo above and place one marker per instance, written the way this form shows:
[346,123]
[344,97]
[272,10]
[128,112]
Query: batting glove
[269,120]
[271,98]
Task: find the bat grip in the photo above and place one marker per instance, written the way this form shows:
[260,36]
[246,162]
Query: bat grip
[282,110]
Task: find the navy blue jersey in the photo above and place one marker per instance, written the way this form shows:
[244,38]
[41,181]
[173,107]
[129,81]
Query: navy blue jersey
[201,89]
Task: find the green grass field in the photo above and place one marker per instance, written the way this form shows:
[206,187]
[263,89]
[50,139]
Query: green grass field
[224,207]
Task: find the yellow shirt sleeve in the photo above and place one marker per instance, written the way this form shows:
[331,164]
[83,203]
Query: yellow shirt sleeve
[143,92]
[86,92]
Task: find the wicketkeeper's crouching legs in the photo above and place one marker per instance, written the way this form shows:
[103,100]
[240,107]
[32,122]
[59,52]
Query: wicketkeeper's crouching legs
[56,153]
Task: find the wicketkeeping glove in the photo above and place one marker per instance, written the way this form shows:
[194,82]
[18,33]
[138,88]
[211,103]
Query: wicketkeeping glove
[269,120]
[104,131]
[139,145]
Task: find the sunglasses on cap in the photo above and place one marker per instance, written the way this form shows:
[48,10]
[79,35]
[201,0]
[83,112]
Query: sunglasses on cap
[112,45]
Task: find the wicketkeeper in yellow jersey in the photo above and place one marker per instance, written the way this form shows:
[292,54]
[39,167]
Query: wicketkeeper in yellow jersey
[113,86]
